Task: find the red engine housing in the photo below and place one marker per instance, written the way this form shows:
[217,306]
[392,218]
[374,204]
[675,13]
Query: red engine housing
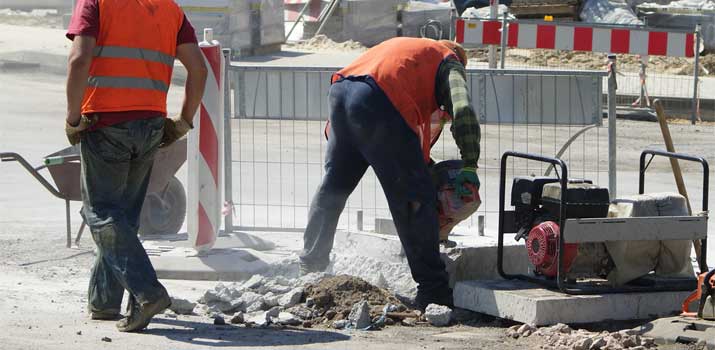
[543,245]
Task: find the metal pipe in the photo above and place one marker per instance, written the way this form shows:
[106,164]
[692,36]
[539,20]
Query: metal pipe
[335,4]
[504,33]
[612,131]
[297,20]
[227,153]
[696,75]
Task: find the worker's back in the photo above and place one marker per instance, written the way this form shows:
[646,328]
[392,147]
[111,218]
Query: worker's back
[136,47]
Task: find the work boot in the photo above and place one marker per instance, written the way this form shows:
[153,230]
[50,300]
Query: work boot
[306,269]
[104,315]
[444,299]
[140,314]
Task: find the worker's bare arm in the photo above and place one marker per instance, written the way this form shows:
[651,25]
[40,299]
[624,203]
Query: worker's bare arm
[80,59]
[191,57]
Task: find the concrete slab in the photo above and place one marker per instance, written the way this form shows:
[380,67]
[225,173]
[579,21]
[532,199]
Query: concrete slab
[236,256]
[528,303]
[680,330]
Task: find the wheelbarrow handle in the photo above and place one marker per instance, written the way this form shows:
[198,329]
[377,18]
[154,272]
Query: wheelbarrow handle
[14,157]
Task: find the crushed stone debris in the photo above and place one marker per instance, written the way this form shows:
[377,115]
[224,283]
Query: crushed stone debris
[323,43]
[561,336]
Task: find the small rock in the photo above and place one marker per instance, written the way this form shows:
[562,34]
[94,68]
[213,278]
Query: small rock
[288,319]
[270,299]
[583,344]
[291,298]
[274,311]
[219,321]
[307,324]
[259,318]
[79,332]
[237,318]
[409,322]
[182,306]
[561,328]
[598,343]
[438,315]
[301,311]
[647,342]
[253,302]
[170,313]
[330,314]
[360,315]
[523,329]
[107,339]
[340,324]
[254,282]
[527,333]
[389,321]
[309,302]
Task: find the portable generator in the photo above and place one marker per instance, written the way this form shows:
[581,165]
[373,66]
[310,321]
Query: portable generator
[536,201]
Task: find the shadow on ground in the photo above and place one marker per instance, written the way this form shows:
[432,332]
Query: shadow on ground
[204,334]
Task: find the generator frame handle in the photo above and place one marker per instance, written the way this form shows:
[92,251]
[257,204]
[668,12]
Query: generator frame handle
[563,181]
[706,184]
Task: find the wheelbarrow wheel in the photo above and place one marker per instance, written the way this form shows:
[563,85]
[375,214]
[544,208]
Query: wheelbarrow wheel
[164,212]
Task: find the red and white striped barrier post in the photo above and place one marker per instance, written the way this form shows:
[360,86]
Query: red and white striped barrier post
[205,153]
[577,37]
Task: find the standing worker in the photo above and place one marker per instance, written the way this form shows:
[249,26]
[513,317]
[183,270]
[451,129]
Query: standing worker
[120,68]
[381,111]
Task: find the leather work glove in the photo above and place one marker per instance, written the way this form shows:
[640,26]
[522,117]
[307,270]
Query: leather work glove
[174,129]
[466,176]
[74,133]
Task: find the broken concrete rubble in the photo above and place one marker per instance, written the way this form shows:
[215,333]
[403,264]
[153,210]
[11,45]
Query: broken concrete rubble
[182,306]
[360,315]
[562,336]
[438,315]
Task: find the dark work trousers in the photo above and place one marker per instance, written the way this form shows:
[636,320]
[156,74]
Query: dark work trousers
[116,166]
[367,130]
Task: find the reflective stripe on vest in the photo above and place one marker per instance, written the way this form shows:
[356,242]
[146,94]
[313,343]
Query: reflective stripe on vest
[130,52]
[128,83]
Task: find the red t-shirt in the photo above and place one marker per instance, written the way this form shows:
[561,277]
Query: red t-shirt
[85,22]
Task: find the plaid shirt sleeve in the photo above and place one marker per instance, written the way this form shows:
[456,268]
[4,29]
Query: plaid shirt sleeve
[452,93]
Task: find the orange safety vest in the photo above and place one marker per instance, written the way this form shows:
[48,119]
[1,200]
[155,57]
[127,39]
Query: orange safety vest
[406,71]
[134,57]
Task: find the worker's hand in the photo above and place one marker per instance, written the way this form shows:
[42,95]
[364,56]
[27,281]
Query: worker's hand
[174,129]
[74,132]
[466,176]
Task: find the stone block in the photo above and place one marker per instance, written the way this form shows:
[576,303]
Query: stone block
[528,303]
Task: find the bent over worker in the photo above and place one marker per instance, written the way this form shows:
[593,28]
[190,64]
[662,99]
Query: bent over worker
[381,108]
[120,68]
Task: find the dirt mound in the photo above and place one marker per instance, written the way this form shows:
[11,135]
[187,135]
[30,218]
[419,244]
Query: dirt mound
[323,43]
[340,293]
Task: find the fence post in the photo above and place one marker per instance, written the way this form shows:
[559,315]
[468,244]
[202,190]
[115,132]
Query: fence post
[504,33]
[227,152]
[493,15]
[612,144]
[696,75]
[643,97]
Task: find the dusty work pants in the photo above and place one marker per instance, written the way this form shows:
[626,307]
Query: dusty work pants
[367,130]
[116,166]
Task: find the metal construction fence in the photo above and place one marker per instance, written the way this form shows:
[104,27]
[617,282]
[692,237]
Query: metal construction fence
[278,143]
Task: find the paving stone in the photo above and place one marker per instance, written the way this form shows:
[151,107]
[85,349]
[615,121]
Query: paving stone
[528,303]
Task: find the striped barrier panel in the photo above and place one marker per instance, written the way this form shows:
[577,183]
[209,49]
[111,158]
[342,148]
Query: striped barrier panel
[571,37]
[205,153]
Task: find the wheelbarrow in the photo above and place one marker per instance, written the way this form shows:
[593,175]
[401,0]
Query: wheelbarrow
[164,207]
